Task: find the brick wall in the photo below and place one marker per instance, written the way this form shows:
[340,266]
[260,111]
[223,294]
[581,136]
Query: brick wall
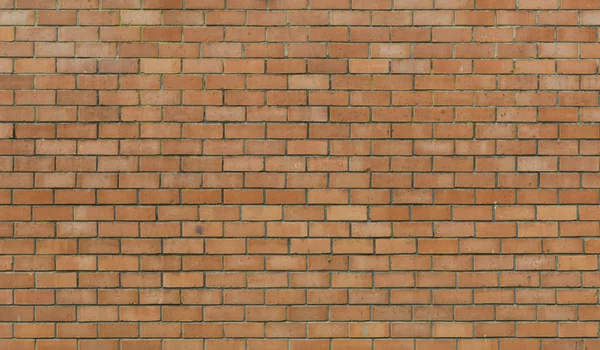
[299,174]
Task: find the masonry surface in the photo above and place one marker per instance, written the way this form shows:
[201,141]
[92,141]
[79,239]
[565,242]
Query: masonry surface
[299,174]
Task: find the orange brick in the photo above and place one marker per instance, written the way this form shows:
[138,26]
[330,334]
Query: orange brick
[247,173]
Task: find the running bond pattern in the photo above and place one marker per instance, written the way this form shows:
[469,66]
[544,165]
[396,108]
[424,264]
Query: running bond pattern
[299,174]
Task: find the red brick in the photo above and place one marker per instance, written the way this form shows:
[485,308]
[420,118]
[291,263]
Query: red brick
[263,150]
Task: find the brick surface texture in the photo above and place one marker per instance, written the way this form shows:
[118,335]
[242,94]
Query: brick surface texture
[299,174]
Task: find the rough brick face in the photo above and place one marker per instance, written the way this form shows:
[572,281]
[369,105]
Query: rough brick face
[299,174]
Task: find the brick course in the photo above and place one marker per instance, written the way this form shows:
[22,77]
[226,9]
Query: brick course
[299,174]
